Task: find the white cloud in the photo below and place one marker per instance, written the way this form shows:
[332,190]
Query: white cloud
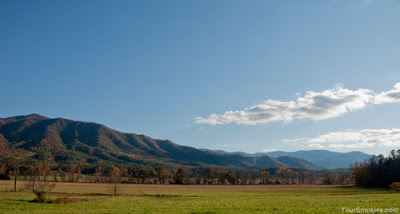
[364,138]
[388,96]
[295,140]
[313,106]
[269,150]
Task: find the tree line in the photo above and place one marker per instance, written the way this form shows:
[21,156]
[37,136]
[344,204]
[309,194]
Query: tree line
[166,175]
[18,164]
[379,171]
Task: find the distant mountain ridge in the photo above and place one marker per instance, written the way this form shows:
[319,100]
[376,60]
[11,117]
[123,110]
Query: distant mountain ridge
[68,141]
[323,158]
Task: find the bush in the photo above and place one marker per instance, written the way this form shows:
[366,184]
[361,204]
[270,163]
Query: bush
[395,186]
[38,185]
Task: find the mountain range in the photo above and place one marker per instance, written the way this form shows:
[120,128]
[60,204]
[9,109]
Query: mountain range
[75,142]
[322,158]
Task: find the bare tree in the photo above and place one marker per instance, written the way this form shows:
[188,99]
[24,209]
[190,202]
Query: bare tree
[246,177]
[161,174]
[293,176]
[209,175]
[37,183]
[264,177]
[302,176]
[115,179]
[16,157]
[342,179]
[327,178]
[220,176]
[277,176]
[286,174]
[312,177]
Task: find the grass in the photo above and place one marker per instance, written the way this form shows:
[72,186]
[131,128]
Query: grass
[92,198]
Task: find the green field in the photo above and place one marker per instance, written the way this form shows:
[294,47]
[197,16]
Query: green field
[199,199]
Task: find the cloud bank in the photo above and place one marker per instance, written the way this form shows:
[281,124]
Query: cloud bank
[313,106]
[364,138]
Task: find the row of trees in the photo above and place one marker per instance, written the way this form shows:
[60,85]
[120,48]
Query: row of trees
[379,171]
[17,163]
[161,175]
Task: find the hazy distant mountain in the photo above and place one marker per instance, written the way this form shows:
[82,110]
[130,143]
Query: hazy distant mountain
[323,158]
[67,141]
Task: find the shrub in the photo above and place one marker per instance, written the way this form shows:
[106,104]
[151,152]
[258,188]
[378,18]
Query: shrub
[40,189]
[395,186]
[38,185]
[141,192]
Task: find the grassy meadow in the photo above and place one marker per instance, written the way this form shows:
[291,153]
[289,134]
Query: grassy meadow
[93,198]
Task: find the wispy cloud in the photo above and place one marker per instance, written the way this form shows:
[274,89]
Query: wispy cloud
[364,138]
[388,96]
[269,150]
[312,106]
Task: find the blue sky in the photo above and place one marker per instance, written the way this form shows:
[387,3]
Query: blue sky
[153,67]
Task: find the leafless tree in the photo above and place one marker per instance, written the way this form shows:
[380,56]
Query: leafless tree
[246,177]
[37,183]
[277,176]
[312,177]
[161,174]
[209,175]
[264,177]
[16,157]
[115,179]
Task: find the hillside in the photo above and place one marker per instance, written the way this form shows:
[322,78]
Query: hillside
[66,141]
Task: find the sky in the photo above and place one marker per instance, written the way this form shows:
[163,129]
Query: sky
[252,76]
